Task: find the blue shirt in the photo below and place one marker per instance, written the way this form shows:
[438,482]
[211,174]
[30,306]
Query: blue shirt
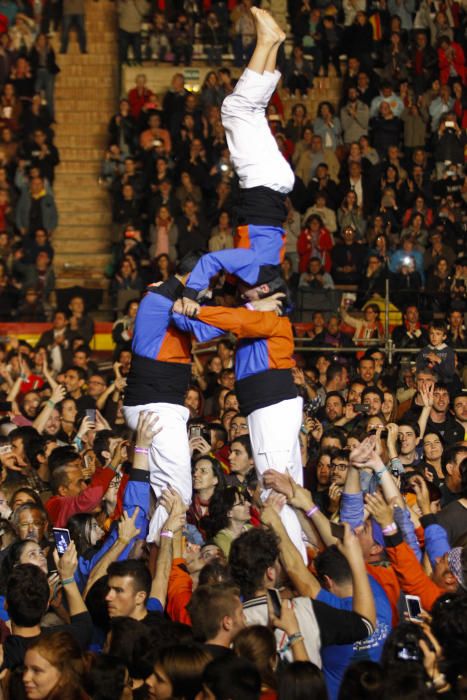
[336,658]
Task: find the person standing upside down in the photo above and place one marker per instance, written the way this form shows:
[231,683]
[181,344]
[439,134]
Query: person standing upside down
[264,174]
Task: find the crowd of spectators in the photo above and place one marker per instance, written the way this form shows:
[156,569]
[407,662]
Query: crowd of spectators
[225,607]
[28,157]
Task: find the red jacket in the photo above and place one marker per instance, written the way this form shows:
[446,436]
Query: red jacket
[410,573]
[323,246]
[458,62]
[137,100]
[61,508]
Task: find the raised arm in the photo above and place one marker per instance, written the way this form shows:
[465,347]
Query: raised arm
[127,531]
[58,394]
[363,600]
[66,567]
[171,531]
[305,583]
[301,500]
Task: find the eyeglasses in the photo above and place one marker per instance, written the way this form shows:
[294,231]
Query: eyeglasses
[342,466]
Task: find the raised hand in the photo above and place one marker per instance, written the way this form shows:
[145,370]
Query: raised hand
[147,428]
[58,394]
[426,395]
[379,509]
[366,455]
[85,427]
[67,563]
[127,529]
[422,494]
[276,501]
[287,621]
[281,483]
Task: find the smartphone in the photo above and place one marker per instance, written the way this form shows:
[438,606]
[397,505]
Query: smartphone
[337,530]
[62,539]
[409,650]
[91,414]
[414,608]
[276,601]
[195,431]
[361,407]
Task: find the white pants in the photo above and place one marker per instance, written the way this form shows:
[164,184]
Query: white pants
[253,149]
[274,438]
[169,456]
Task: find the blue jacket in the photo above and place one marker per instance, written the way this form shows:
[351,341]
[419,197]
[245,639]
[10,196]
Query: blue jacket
[255,246]
[137,493]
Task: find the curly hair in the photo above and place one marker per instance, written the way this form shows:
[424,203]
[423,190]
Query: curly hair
[250,556]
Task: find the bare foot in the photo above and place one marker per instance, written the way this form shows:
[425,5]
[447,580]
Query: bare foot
[266,27]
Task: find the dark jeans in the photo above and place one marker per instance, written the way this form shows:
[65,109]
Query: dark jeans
[45,81]
[127,39]
[242,54]
[67,22]
[214,55]
[298,82]
[183,53]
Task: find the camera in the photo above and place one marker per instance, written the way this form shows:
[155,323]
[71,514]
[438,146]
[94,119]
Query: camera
[409,650]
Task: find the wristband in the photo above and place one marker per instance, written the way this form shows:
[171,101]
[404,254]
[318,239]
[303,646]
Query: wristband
[312,511]
[389,529]
[124,540]
[50,403]
[142,450]
[67,581]
[294,638]
[167,533]
[379,474]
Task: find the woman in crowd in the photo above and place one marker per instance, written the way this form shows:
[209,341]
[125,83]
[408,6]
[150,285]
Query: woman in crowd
[297,123]
[163,268]
[53,668]
[314,241]
[229,516]
[433,448]
[351,214]
[163,234]
[366,328]
[177,673]
[208,479]
[328,126]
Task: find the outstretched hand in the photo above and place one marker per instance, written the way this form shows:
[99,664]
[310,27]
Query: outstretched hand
[272,303]
[366,455]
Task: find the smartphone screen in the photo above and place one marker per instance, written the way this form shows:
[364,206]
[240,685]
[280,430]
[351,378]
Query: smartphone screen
[62,539]
[413,606]
[337,530]
[276,601]
[91,414]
